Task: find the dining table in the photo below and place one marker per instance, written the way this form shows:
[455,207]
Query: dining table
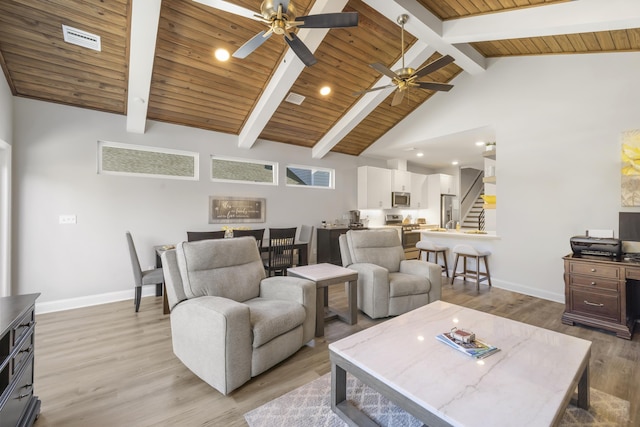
[301,247]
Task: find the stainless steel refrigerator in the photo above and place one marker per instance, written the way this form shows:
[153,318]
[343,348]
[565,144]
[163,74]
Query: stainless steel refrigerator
[448,209]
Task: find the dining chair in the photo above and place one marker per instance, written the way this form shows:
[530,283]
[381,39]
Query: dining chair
[142,277]
[305,236]
[193,236]
[280,252]
[257,234]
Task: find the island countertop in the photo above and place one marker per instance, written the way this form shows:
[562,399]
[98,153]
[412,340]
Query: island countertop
[454,234]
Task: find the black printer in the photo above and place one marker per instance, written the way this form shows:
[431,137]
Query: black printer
[603,246]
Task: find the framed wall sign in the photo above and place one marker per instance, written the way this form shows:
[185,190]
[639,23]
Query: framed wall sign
[227,210]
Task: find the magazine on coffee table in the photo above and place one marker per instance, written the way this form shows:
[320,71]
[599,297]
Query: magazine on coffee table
[476,348]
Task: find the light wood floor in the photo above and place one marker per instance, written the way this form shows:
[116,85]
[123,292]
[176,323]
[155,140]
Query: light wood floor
[108,366]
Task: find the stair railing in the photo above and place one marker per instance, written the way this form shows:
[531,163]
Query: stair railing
[481,220]
[471,195]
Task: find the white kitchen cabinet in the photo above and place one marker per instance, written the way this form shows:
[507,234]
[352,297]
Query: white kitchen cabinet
[401,181]
[418,191]
[374,188]
[446,183]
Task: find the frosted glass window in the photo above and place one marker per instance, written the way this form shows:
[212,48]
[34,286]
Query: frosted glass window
[307,176]
[126,159]
[246,171]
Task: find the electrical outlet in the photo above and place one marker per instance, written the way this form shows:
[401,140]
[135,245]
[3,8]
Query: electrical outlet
[67,219]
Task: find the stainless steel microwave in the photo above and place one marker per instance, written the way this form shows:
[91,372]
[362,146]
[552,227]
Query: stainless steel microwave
[400,199]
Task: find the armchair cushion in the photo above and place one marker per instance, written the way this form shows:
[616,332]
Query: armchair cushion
[402,284]
[232,270]
[271,318]
[380,247]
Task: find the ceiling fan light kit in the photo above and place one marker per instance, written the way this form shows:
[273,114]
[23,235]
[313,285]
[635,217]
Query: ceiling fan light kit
[406,77]
[281,17]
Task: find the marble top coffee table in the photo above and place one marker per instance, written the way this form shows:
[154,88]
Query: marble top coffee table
[530,381]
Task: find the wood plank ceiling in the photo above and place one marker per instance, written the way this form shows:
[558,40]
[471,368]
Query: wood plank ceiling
[190,87]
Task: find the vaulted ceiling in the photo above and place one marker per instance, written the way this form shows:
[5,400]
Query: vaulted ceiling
[156,59]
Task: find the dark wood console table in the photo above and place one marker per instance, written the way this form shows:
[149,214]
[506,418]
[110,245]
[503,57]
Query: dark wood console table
[18,405]
[602,292]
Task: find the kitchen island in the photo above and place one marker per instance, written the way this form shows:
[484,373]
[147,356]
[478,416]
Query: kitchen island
[451,238]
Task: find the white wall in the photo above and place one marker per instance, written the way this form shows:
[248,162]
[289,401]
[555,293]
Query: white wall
[6,108]
[558,121]
[55,174]
[6,131]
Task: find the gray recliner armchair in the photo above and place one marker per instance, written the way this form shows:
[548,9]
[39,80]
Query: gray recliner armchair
[388,284]
[228,322]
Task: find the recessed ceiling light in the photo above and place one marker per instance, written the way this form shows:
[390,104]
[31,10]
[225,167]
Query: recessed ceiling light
[222,54]
[325,90]
[420,154]
[455,162]
[480,143]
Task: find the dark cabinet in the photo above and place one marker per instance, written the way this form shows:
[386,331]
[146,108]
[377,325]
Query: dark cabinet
[18,405]
[328,246]
[598,293]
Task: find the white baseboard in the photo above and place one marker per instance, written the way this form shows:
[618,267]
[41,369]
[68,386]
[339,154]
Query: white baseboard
[534,292]
[89,300]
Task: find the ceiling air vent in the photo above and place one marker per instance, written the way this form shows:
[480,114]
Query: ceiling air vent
[294,98]
[81,38]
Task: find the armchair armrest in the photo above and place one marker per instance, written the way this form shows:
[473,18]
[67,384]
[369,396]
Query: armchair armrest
[373,289]
[430,270]
[212,336]
[295,289]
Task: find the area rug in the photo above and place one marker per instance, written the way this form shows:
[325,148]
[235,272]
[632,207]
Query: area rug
[309,406]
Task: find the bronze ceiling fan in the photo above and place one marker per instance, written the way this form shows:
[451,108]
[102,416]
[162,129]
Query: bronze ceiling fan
[281,18]
[406,77]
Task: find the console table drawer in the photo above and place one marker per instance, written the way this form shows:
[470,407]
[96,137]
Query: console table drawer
[603,305]
[593,269]
[595,282]
[19,398]
[633,273]
[23,354]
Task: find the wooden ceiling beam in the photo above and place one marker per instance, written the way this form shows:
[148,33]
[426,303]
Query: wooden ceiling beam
[584,16]
[285,76]
[145,16]
[416,55]
[429,29]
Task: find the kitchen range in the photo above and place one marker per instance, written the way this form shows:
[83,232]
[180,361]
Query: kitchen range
[409,233]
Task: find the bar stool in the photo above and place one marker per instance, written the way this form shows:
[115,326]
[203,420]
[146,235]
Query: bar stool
[467,251]
[432,248]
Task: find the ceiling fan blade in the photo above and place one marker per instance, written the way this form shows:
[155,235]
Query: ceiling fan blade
[434,65]
[434,86]
[300,49]
[231,8]
[251,45]
[397,98]
[384,70]
[329,20]
[371,90]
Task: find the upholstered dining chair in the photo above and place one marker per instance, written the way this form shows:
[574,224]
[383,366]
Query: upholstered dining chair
[305,236]
[193,236]
[280,253]
[142,277]
[257,234]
